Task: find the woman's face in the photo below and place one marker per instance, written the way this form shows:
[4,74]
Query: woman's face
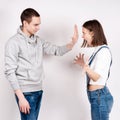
[87,35]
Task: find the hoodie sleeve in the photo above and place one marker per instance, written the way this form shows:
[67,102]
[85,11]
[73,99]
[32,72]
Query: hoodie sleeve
[11,58]
[48,48]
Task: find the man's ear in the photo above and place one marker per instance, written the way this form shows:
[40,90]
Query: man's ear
[25,23]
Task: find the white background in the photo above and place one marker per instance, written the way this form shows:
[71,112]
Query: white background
[64,95]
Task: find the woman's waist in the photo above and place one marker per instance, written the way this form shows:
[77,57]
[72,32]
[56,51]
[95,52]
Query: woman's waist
[101,93]
[95,87]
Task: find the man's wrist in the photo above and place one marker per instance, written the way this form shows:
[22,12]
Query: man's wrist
[70,45]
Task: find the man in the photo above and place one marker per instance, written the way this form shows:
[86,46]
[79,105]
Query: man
[24,63]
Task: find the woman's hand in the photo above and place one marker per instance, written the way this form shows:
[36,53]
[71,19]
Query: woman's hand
[84,64]
[80,60]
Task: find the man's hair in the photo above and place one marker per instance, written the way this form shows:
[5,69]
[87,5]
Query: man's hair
[27,15]
[98,33]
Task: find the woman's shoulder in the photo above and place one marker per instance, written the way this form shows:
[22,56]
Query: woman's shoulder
[102,48]
[103,51]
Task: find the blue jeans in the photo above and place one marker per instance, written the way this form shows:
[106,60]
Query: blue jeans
[101,102]
[34,99]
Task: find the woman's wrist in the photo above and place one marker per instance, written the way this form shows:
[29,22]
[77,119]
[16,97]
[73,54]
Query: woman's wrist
[85,67]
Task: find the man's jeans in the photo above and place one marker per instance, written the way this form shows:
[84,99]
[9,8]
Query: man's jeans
[34,99]
[101,103]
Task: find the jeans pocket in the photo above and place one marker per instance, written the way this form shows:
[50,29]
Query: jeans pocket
[27,93]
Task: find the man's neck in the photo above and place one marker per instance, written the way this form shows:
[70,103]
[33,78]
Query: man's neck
[26,32]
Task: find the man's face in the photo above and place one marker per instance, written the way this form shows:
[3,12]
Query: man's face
[32,27]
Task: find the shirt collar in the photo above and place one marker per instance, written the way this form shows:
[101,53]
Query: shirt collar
[31,40]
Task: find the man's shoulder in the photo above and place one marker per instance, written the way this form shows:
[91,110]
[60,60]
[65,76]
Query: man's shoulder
[12,40]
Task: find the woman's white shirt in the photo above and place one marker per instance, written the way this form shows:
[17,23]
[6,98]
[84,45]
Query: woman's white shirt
[101,65]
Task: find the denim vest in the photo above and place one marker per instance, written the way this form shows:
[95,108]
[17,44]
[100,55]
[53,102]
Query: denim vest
[92,58]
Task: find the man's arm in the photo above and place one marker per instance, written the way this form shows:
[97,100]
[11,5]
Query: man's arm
[60,50]
[11,58]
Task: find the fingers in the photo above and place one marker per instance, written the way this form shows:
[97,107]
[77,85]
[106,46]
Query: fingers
[76,59]
[25,109]
[76,31]
[28,109]
[75,35]
[79,57]
[82,56]
[24,106]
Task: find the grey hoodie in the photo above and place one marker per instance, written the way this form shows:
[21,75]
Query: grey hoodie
[24,60]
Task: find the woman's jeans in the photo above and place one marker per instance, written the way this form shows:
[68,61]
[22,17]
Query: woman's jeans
[101,102]
[34,99]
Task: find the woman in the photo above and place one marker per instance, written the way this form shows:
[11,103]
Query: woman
[97,69]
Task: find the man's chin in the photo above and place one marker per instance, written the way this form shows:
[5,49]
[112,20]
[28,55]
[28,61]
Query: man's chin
[33,33]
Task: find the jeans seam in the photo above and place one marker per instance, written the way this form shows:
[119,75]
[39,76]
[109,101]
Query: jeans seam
[98,93]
